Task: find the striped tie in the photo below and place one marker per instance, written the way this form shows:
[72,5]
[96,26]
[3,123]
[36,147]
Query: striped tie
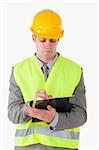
[45,71]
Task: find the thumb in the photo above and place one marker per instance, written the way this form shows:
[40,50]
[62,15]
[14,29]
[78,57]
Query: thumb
[50,108]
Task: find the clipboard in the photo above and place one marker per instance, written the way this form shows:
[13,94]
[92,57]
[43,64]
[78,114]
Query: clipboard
[61,104]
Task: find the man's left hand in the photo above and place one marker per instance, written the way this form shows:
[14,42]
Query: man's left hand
[41,114]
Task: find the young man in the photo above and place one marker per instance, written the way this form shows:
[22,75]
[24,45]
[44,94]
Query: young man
[46,75]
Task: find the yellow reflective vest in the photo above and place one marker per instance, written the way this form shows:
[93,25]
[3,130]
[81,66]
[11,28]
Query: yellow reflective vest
[62,81]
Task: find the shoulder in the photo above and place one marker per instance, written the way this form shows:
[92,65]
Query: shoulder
[69,62]
[23,62]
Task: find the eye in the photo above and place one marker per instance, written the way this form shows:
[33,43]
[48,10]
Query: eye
[42,40]
[52,40]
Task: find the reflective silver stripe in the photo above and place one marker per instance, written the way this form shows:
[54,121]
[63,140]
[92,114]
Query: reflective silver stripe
[24,132]
[46,131]
[60,134]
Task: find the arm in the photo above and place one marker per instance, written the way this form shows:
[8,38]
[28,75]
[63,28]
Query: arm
[60,121]
[16,103]
[78,116]
[75,118]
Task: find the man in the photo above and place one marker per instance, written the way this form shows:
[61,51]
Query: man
[45,75]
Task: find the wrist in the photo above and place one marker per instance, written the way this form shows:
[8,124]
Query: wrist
[54,121]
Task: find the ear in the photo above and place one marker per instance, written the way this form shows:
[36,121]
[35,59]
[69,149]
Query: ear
[33,37]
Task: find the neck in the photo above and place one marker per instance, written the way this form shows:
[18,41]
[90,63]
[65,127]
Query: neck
[45,60]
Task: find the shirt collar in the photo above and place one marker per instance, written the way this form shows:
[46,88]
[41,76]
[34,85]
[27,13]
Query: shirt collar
[50,64]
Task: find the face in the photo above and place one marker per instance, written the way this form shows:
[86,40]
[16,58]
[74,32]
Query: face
[46,48]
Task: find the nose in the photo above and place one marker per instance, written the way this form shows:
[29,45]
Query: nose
[47,43]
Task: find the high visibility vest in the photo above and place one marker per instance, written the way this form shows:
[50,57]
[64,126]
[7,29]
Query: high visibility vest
[62,81]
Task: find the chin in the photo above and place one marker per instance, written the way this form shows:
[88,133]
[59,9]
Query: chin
[47,53]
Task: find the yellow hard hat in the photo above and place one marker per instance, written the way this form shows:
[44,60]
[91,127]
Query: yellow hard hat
[47,24]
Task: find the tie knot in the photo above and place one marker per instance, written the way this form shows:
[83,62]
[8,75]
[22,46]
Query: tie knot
[45,66]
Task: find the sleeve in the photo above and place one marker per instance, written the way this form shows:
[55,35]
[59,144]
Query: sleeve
[16,103]
[78,114]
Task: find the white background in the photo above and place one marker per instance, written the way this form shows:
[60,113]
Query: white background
[79,43]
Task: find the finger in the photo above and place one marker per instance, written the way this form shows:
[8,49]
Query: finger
[25,108]
[34,103]
[42,96]
[41,91]
[50,108]
[31,112]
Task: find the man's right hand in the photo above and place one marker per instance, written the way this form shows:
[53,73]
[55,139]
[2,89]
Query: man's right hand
[44,115]
[41,95]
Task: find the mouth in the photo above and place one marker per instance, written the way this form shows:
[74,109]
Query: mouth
[47,51]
